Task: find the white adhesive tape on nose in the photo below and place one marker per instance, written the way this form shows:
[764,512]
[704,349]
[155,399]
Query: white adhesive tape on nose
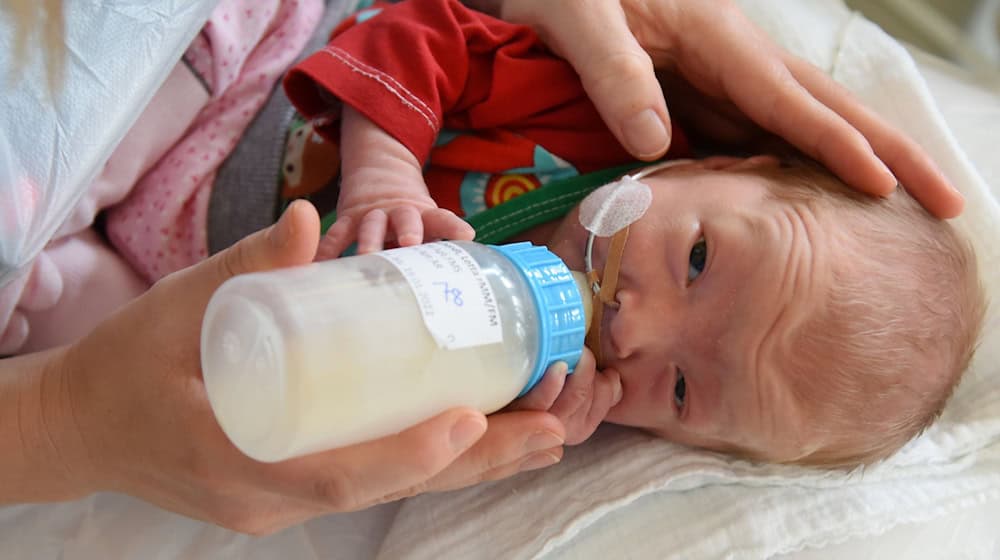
[615,206]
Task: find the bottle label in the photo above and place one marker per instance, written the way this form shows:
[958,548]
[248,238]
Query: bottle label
[455,299]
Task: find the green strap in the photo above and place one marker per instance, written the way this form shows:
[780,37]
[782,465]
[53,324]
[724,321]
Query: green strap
[542,205]
[533,208]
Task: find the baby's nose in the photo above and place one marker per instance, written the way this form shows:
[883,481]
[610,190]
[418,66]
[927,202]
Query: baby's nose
[640,327]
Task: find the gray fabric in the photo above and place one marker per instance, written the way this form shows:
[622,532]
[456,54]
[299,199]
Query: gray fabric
[244,197]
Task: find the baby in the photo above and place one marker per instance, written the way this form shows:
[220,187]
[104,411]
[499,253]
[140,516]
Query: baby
[760,308]
[771,312]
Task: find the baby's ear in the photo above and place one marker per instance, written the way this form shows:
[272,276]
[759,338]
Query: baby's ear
[730,163]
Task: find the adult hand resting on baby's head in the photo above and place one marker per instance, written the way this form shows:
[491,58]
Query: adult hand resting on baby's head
[125,410]
[382,191]
[730,68]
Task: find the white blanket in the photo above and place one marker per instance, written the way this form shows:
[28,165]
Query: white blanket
[743,510]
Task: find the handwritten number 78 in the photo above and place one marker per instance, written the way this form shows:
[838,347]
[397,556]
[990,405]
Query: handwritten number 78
[451,295]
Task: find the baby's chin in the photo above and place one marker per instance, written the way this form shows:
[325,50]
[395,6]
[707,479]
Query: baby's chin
[626,413]
[623,414]
[658,432]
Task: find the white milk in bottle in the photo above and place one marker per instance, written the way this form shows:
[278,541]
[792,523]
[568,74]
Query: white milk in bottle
[305,359]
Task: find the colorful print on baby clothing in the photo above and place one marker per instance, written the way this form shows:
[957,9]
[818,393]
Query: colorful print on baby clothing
[481,191]
[471,171]
[243,50]
[310,168]
[310,162]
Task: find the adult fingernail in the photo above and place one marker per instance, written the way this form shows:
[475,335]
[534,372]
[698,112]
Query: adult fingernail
[950,185]
[281,232]
[542,440]
[645,134]
[467,431]
[890,178]
[539,461]
[409,238]
[560,368]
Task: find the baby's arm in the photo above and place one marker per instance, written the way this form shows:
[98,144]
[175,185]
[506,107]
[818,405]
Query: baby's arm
[382,194]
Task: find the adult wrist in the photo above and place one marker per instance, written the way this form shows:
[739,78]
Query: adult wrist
[61,415]
[45,456]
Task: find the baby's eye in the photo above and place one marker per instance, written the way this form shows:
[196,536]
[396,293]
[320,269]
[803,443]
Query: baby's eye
[680,389]
[696,260]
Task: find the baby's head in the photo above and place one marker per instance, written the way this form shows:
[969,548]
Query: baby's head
[772,312]
[896,328]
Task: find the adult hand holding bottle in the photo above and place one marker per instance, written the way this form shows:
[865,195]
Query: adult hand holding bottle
[125,410]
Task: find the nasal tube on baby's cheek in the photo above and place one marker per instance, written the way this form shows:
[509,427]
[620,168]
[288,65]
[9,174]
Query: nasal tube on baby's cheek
[615,206]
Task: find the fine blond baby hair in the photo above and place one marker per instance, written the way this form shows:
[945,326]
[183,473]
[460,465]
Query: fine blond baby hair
[878,360]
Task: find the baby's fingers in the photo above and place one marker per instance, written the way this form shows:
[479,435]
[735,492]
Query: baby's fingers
[337,239]
[407,225]
[601,395]
[371,232]
[444,224]
[544,394]
[586,398]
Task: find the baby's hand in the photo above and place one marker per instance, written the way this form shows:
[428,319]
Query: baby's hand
[383,196]
[580,400]
[388,213]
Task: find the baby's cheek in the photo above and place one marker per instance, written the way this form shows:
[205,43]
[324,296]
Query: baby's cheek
[625,412]
[641,410]
[678,433]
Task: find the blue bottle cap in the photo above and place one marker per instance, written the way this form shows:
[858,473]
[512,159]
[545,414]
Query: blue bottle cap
[562,324]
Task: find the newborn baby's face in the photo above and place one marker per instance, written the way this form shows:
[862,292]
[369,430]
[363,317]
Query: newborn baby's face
[715,278]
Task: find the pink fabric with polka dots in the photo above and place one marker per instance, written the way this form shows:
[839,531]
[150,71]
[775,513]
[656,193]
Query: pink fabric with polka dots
[59,282]
[244,49]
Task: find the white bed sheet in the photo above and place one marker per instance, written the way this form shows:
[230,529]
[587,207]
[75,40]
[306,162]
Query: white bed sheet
[109,526]
[971,531]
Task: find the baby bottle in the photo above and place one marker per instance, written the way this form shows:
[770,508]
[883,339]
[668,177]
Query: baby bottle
[305,359]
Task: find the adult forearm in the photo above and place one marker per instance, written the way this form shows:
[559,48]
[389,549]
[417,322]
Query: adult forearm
[38,441]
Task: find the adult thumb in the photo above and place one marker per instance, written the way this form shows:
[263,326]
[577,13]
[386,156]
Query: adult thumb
[623,87]
[291,241]
[615,70]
